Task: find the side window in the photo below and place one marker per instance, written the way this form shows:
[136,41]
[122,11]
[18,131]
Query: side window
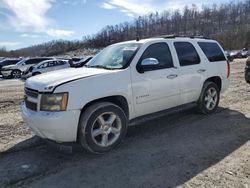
[29,62]
[56,63]
[212,51]
[60,63]
[52,63]
[161,52]
[44,65]
[187,54]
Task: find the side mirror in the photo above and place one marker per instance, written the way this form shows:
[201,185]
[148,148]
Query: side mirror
[147,65]
[149,62]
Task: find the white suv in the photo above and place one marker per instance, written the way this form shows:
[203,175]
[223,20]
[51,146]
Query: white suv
[94,104]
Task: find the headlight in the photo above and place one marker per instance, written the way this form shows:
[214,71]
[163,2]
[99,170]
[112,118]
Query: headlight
[54,102]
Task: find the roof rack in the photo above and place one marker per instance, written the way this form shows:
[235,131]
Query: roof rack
[181,36]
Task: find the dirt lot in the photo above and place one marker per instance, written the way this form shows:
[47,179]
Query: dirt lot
[185,149]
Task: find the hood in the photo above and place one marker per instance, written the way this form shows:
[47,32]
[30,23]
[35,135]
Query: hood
[8,66]
[48,81]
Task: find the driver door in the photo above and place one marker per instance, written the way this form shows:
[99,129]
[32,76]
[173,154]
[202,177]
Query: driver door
[155,87]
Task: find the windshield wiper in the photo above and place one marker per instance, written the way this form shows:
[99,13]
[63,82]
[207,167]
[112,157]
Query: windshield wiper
[99,67]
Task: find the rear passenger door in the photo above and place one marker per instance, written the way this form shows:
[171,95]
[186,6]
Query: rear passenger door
[157,88]
[52,66]
[191,71]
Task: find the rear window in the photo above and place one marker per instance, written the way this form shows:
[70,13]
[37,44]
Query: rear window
[212,51]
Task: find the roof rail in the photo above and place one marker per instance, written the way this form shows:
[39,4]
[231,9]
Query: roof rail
[184,36]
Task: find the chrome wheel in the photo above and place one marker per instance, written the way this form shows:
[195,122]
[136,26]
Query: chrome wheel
[211,98]
[106,129]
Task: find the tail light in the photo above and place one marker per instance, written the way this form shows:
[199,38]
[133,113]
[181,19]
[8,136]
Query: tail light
[228,69]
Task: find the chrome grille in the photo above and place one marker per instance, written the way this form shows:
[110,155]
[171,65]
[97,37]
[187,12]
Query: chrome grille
[31,93]
[31,99]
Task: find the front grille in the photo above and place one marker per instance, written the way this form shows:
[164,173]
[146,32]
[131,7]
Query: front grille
[33,96]
[31,93]
[31,105]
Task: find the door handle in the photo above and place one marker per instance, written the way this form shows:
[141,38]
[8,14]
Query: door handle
[201,70]
[172,76]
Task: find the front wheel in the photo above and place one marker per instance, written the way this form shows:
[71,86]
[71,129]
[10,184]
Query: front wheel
[16,74]
[209,98]
[102,127]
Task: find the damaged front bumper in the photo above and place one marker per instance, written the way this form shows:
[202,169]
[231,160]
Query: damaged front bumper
[56,126]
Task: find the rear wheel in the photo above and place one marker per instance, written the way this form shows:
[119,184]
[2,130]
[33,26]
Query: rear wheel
[102,127]
[16,74]
[209,98]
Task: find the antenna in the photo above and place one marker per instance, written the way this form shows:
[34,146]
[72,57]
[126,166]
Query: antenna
[137,38]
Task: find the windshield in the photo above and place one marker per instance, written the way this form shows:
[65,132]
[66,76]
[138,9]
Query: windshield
[21,62]
[116,56]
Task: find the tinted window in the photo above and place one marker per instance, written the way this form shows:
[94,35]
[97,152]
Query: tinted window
[161,52]
[30,61]
[8,62]
[44,65]
[186,53]
[212,51]
[60,63]
[35,61]
[52,63]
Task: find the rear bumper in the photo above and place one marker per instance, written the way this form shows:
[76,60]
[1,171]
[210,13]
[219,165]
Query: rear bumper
[56,126]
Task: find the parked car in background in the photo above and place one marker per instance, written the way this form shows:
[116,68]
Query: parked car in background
[82,62]
[246,54]
[247,70]
[73,60]
[94,105]
[15,71]
[243,53]
[228,56]
[46,66]
[6,62]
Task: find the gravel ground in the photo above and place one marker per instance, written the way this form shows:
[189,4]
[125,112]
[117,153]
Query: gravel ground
[184,149]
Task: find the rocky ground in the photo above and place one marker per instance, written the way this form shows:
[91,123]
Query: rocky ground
[185,149]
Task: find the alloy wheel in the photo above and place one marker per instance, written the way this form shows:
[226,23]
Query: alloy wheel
[106,129]
[211,98]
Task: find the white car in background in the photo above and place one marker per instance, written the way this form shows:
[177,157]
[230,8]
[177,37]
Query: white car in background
[47,66]
[16,71]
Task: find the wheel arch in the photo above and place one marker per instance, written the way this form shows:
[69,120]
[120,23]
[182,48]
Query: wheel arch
[217,80]
[119,100]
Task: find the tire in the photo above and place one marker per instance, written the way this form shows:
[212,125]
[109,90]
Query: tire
[16,74]
[95,133]
[209,98]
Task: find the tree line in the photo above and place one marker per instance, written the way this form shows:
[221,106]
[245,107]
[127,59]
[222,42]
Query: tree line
[229,23]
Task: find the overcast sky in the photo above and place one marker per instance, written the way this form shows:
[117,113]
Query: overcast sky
[27,22]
